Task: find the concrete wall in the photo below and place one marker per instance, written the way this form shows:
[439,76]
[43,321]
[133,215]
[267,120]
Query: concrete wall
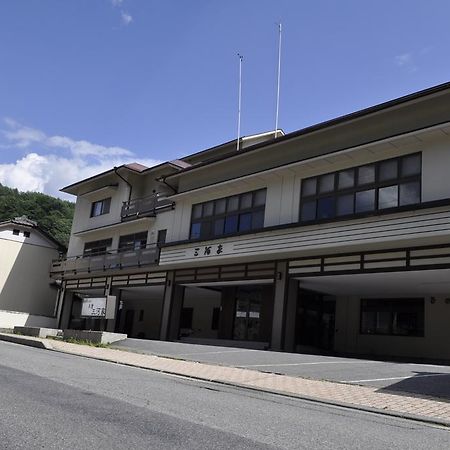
[24,273]
[11,319]
[434,343]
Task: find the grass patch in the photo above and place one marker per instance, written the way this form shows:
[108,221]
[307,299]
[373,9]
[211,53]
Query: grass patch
[82,342]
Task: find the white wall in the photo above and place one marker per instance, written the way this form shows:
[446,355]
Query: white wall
[11,319]
[24,272]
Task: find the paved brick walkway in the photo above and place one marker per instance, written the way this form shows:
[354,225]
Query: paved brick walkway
[427,408]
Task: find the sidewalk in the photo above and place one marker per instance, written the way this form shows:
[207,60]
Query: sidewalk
[360,397]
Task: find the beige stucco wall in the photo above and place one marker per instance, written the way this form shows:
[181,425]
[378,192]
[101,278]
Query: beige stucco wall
[24,274]
[434,343]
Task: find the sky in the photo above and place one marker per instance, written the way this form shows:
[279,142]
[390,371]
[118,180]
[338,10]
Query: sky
[89,84]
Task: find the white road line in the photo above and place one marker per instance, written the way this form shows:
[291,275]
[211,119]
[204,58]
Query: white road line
[214,353]
[398,378]
[312,363]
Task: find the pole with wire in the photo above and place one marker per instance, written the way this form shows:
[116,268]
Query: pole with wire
[239,102]
[278,80]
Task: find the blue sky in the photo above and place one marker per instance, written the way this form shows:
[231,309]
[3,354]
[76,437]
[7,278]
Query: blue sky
[88,84]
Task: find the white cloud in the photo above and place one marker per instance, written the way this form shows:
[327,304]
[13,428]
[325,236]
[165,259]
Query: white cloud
[56,161]
[126,18]
[406,61]
[116,2]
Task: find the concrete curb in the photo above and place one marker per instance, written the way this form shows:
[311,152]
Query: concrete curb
[25,340]
[39,343]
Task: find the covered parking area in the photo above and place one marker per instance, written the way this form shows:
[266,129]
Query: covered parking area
[393,313]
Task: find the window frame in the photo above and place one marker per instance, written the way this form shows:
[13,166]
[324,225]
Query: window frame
[313,199]
[208,222]
[105,207]
[394,304]
[102,243]
[135,237]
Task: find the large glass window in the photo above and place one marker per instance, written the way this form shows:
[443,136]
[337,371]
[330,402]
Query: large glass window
[243,212]
[398,317]
[361,190]
[100,207]
[97,247]
[133,241]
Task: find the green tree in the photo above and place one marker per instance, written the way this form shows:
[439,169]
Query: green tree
[52,214]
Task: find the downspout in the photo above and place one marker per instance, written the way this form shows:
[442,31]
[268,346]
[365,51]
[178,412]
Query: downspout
[163,180]
[122,178]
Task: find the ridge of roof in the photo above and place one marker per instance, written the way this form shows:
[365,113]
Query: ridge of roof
[325,124]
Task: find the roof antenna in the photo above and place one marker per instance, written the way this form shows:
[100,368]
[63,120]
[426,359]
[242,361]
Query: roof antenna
[239,101]
[278,80]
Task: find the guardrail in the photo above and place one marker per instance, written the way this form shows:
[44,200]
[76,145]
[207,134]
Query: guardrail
[110,260]
[145,206]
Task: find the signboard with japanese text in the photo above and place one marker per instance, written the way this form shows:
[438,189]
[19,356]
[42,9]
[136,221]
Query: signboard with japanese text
[202,251]
[94,307]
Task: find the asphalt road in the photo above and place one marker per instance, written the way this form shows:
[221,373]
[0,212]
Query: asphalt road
[56,401]
[423,379]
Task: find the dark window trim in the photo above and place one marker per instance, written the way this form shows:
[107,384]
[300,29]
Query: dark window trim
[376,186]
[106,207]
[381,212]
[212,218]
[135,237]
[391,300]
[99,250]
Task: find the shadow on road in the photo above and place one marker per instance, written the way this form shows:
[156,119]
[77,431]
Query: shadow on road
[435,384]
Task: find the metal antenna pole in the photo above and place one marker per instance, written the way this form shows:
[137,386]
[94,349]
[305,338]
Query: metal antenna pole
[239,102]
[278,80]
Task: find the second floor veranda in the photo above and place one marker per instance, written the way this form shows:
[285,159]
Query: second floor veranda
[107,261]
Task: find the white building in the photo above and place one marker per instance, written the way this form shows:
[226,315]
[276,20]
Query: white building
[27,293]
[335,237]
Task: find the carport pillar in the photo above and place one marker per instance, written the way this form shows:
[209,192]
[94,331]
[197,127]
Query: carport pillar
[172,305]
[59,303]
[279,305]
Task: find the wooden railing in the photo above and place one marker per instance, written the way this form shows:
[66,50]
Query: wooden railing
[145,206]
[111,260]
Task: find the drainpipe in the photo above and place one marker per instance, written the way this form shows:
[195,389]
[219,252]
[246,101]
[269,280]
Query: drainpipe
[163,180]
[121,177]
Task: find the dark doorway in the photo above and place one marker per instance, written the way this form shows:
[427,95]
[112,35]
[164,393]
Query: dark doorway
[315,320]
[128,325]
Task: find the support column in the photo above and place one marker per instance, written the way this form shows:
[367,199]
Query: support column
[279,305]
[175,312]
[59,303]
[66,310]
[167,303]
[291,315]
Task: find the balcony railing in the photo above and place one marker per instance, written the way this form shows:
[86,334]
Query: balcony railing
[111,260]
[144,207]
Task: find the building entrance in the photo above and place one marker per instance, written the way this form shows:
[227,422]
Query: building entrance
[315,320]
[247,320]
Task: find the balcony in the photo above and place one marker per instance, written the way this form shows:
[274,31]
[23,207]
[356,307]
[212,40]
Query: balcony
[111,260]
[145,207]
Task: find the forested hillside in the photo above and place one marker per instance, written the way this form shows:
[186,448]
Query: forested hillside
[52,214]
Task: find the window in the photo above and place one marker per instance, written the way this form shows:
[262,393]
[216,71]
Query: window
[361,190]
[97,247]
[26,234]
[396,317]
[162,234]
[133,241]
[100,207]
[16,232]
[237,213]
